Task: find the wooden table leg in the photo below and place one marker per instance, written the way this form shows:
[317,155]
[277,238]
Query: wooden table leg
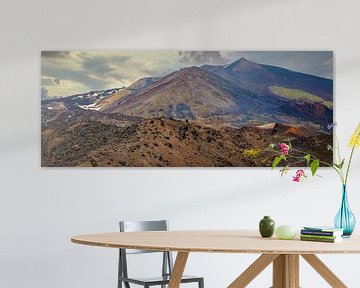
[254,270]
[279,271]
[178,269]
[324,271]
[293,262]
[286,271]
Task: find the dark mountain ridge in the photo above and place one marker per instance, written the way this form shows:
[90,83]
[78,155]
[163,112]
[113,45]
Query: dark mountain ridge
[259,77]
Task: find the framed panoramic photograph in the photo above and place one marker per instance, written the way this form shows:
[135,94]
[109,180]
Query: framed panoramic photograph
[183,108]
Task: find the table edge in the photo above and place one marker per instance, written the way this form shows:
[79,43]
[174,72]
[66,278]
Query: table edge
[203,250]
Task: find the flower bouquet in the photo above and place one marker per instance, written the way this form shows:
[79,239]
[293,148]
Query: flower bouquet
[285,151]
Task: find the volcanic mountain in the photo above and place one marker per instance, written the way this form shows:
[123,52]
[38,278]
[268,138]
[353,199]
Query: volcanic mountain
[241,92]
[236,94]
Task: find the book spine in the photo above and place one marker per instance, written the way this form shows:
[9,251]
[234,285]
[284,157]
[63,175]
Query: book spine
[319,233]
[317,239]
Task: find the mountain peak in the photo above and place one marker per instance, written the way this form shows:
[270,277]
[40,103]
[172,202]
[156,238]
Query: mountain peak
[242,64]
[243,59]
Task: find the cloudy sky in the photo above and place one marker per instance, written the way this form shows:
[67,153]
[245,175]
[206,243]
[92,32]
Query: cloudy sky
[65,73]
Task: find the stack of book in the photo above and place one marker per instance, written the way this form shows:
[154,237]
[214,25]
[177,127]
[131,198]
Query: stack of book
[321,234]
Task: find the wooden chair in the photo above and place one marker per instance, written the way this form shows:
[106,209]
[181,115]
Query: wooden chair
[167,262]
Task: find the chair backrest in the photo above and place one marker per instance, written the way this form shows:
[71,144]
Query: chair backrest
[138,226]
[133,226]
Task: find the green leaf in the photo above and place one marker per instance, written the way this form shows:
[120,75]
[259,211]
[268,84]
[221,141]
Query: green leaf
[339,166]
[314,166]
[307,157]
[277,160]
[342,163]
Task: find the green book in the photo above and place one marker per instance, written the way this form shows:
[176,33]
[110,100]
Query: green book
[319,236]
[324,240]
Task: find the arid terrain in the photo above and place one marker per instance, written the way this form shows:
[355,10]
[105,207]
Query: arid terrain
[207,116]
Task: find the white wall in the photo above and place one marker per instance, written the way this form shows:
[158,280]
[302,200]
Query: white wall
[40,209]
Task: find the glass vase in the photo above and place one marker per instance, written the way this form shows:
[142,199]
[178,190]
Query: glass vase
[345,219]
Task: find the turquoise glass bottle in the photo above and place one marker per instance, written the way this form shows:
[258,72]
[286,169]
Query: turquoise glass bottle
[266,227]
[345,219]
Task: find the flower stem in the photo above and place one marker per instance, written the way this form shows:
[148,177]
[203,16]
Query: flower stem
[305,153]
[348,166]
[339,160]
[338,149]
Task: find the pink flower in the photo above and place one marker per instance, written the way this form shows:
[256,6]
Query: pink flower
[284,148]
[299,175]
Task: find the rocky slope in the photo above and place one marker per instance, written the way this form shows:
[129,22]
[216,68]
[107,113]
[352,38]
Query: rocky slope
[167,142]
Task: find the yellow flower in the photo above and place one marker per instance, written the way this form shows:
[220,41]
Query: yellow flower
[355,138]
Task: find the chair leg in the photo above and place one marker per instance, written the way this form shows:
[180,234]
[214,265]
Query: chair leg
[201,283]
[164,266]
[120,270]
